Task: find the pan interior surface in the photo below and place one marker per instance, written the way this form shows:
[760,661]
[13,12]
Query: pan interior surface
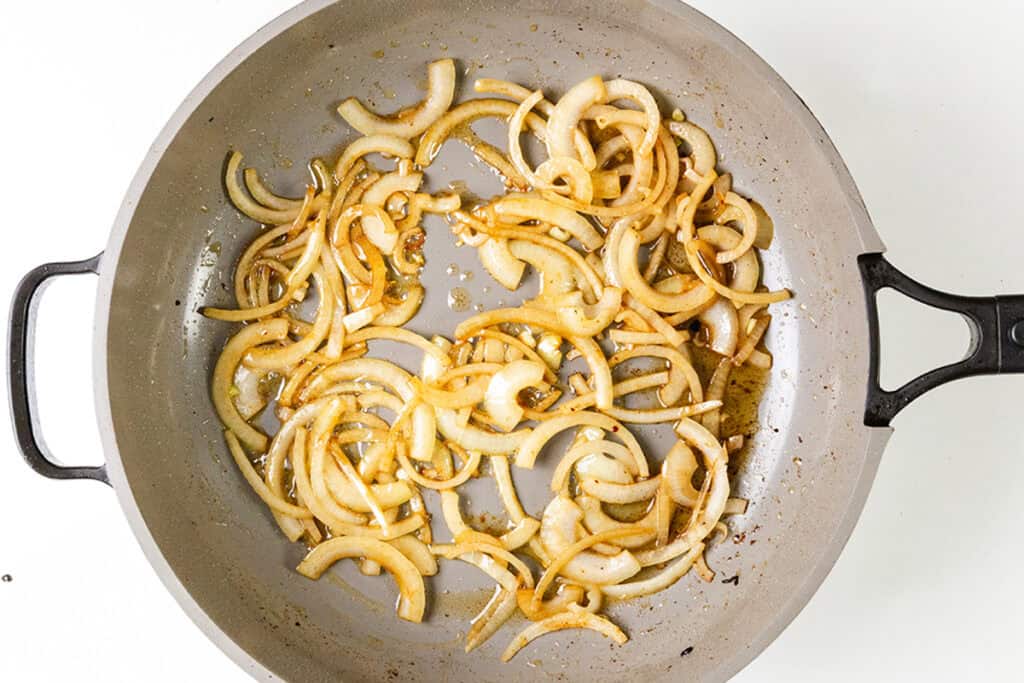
[803,470]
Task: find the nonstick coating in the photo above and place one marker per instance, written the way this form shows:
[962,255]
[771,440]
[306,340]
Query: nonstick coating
[177,238]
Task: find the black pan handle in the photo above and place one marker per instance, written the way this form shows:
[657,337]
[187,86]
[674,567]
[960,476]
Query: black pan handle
[997,337]
[20,379]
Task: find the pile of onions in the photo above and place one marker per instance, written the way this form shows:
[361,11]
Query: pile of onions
[642,250]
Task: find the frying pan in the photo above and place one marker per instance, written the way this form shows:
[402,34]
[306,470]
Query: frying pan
[823,418]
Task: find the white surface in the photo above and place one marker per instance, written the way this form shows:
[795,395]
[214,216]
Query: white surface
[923,100]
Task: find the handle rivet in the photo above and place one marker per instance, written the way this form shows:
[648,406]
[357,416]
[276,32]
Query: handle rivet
[1017,333]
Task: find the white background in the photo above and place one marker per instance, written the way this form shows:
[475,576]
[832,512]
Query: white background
[923,100]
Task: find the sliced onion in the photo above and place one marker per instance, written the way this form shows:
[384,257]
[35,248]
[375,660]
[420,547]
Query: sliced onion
[567,113]
[475,439]
[502,398]
[463,115]
[389,145]
[752,338]
[605,115]
[702,150]
[224,372]
[589,321]
[515,129]
[687,206]
[621,89]
[746,271]
[633,280]
[723,327]
[656,415]
[749,223]
[380,230]
[389,184]
[595,519]
[521,534]
[341,461]
[506,488]
[716,459]
[290,355]
[529,449]
[555,271]
[378,226]
[525,207]
[469,468]
[464,397]
[609,492]
[244,203]
[494,615]
[262,194]
[558,536]
[275,502]
[408,123]
[357,320]
[739,297]
[567,594]
[627,193]
[597,467]
[580,571]
[629,337]
[657,322]
[736,506]
[417,552]
[580,184]
[401,313]
[519,93]
[563,621]
[402,336]
[498,260]
[487,548]
[677,472]
[587,272]
[681,374]
[412,602]
[250,400]
[511,90]
[387,495]
[765,226]
[560,479]
[659,581]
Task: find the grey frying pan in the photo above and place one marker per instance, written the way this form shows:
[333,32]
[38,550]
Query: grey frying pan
[176,237]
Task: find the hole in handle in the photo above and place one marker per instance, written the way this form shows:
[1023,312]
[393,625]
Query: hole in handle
[916,338]
[61,364]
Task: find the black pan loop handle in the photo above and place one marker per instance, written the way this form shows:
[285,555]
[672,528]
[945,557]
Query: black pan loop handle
[997,337]
[20,379]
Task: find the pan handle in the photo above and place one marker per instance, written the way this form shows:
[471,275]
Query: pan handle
[997,337]
[20,379]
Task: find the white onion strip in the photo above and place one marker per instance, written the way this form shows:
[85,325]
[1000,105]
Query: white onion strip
[560,622]
[440,91]
[412,603]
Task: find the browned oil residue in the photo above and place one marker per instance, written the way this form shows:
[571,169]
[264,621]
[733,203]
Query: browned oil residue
[742,399]
[462,605]
[469,198]
[489,523]
[353,593]
[458,299]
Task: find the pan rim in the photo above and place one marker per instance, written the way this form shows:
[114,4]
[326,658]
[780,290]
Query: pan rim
[875,438]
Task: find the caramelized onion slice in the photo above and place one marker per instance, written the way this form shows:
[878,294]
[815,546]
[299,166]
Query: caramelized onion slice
[412,602]
[408,123]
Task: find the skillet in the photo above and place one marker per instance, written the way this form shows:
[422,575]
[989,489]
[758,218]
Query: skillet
[176,238]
